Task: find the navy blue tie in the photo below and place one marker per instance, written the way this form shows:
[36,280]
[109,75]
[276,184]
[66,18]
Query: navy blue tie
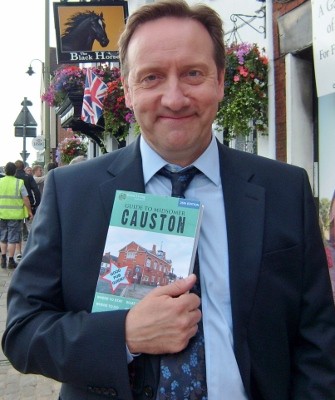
[179,180]
[183,375]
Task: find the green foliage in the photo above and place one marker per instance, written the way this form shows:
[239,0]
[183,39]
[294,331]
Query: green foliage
[117,115]
[324,212]
[245,104]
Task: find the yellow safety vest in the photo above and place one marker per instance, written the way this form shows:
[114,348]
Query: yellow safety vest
[11,202]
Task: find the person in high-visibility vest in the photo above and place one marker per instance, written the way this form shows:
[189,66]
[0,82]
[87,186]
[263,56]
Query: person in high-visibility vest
[14,207]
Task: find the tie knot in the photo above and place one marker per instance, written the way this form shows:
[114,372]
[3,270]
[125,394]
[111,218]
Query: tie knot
[180,179]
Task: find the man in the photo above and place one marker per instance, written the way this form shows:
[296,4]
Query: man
[28,170]
[34,198]
[267,310]
[51,165]
[14,206]
[30,184]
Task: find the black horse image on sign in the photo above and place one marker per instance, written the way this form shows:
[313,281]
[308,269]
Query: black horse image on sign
[82,30]
[88,33]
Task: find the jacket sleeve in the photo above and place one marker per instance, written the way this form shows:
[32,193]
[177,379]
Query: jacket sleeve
[50,329]
[314,359]
[35,191]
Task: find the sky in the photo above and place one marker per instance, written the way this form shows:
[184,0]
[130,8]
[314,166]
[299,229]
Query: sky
[22,40]
[179,254]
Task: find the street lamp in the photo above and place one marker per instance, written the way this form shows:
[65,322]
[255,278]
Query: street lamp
[45,107]
[30,70]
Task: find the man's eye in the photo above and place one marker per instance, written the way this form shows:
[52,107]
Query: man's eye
[194,73]
[150,78]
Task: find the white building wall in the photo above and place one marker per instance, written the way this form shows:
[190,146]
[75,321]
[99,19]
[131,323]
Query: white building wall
[266,145]
[299,113]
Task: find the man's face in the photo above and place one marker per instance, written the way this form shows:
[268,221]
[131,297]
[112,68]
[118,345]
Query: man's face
[174,87]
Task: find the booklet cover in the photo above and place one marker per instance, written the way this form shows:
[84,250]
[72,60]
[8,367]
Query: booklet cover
[151,241]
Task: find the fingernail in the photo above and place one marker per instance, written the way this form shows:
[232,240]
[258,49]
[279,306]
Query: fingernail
[189,278]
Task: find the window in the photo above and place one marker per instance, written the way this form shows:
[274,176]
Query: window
[131,254]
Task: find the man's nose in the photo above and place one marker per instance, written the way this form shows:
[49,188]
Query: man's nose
[174,95]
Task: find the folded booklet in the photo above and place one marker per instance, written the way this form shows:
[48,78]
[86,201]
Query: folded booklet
[151,241]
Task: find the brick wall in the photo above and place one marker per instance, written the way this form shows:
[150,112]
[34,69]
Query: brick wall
[279,9]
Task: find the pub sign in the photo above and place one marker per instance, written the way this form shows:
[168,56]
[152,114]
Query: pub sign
[89,32]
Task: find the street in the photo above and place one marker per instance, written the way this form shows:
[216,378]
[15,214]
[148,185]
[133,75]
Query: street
[13,384]
[17,386]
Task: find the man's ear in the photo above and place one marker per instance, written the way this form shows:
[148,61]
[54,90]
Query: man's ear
[127,95]
[221,76]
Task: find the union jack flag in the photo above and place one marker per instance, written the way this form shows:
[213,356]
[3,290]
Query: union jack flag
[94,93]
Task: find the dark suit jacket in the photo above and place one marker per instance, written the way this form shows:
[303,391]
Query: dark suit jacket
[34,193]
[282,307]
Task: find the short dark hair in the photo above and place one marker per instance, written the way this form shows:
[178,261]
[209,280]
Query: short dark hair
[51,165]
[19,164]
[208,17]
[10,169]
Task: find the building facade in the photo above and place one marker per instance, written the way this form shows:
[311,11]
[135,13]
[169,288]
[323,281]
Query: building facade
[145,267]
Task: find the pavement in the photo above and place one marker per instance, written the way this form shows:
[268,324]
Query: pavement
[13,384]
[17,386]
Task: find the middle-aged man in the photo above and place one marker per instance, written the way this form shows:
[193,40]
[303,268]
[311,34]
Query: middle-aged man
[34,198]
[30,184]
[267,311]
[28,170]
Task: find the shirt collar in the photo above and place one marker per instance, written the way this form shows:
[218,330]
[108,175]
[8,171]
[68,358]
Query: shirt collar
[207,163]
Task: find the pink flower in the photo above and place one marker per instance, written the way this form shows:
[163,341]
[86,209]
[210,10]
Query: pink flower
[243,71]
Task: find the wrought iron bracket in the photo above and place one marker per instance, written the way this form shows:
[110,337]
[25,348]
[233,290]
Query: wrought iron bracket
[247,20]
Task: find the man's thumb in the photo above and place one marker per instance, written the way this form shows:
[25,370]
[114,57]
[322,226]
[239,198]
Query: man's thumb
[178,287]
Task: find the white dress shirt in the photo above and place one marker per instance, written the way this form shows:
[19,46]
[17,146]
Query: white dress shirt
[223,376]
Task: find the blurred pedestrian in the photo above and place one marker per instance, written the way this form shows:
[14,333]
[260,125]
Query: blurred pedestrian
[28,170]
[14,207]
[30,184]
[33,194]
[51,165]
[39,177]
[78,159]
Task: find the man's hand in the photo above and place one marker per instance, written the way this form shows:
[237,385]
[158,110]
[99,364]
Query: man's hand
[164,320]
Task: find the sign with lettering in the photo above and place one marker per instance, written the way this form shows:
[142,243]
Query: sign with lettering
[38,143]
[323,19]
[116,277]
[89,32]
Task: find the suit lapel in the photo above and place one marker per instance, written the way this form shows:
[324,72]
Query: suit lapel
[126,173]
[244,207]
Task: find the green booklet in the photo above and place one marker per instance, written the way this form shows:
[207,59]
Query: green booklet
[151,241]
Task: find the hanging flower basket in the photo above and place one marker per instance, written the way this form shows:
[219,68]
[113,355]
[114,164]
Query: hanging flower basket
[245,104]
[69,82]
[70,148]
[71,79]
[65,80]
[117,116]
